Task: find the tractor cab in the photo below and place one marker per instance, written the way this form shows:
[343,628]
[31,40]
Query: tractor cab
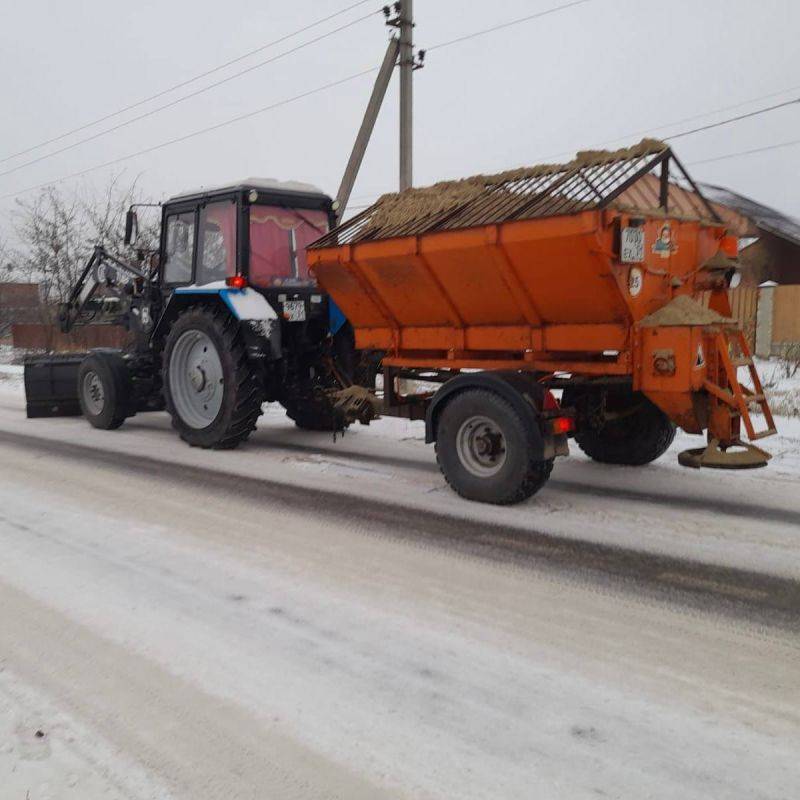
[253,233]
[246,243]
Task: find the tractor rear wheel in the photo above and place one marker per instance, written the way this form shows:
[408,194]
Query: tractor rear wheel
[634,431]
[306,401]
[313,414]
[104,390]
[210,389]
[484,449]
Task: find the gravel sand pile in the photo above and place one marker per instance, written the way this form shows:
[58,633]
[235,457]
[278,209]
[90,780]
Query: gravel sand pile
[683,310]
[401,209]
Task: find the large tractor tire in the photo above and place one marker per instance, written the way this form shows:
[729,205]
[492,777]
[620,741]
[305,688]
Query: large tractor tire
[635,432]
[484,450]
[105,390]
[308,405]
[210,389]
[313,414]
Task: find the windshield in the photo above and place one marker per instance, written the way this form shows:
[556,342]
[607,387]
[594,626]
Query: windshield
[278,240]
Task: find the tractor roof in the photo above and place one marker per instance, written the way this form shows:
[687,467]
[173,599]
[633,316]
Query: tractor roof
[269,186]
[594,179]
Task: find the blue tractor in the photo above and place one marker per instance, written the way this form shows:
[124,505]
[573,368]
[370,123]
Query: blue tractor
[222,317]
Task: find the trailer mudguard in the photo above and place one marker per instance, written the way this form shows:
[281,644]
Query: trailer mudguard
[522,391]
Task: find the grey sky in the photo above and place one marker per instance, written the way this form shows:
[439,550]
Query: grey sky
[596,74]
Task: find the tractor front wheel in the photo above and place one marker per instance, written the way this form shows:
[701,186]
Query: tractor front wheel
[104,390]
[210,389]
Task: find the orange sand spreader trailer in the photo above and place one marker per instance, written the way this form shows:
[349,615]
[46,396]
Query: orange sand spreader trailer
[606,277]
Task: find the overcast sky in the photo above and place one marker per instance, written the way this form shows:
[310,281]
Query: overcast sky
[601,73]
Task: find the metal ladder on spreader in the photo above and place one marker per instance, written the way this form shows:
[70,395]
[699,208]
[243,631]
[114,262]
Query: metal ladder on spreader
[735,395]
[724,385]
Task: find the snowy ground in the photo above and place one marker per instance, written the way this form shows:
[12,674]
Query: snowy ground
[303,618]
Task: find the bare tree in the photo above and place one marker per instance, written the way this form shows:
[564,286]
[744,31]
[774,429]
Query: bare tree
[57,231]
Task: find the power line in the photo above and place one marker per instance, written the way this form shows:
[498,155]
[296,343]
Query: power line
[253,113]
[745,152]
[733,119]
[186,97]
[653,129]
[503,25]
[185,82]
[191,135]
[702,128]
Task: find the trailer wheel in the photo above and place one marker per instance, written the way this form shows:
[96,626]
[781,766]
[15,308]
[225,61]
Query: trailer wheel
[210,389]
[484,451]
[104,390]
[636,433]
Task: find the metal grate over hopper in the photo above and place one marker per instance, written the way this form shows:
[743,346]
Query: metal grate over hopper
[592,180]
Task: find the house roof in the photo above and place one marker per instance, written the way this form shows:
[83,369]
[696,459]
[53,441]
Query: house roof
[767,219]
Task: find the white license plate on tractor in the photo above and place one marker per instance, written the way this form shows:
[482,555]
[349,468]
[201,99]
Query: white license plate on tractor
[294,310]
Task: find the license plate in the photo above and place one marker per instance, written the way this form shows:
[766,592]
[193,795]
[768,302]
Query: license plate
[294,310]
[632,246]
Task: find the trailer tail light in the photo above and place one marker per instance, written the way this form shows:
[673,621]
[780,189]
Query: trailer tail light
[562,425]
[236,281]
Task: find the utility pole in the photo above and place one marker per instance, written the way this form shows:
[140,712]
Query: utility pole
[399,16]
[406,12]
[367,126]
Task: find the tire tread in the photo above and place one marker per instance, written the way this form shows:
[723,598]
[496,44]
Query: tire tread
[249,395]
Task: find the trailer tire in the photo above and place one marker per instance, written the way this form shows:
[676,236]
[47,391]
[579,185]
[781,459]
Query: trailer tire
[205,350]
[104,390]
[484,449]
[638,438]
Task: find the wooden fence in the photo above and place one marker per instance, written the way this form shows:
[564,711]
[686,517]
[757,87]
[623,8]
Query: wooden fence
[786,315]
[36,336]
[744,305]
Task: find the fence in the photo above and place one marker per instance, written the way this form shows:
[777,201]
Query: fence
[36,336]
[744,306]
[786,314]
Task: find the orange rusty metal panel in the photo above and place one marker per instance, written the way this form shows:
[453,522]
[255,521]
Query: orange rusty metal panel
[686,410]
[533,365]
[374,338]
[585,338]
[341,281]
[682,347]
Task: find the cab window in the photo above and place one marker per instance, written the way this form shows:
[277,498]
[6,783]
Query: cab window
[278,240]
[216,255]
[179,248]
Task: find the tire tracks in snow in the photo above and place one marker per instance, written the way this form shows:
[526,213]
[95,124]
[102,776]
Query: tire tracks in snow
[761,598]
[667,499]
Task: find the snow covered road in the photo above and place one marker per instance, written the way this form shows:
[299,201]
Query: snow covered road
[303,619]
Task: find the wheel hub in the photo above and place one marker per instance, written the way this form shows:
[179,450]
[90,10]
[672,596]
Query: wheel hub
[94,395]
[196,379]
[197,376]
[481,446]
